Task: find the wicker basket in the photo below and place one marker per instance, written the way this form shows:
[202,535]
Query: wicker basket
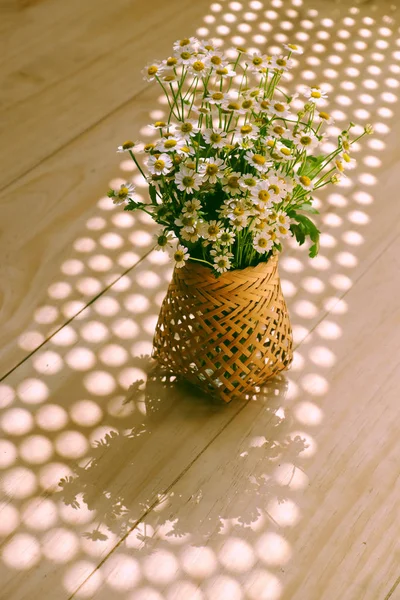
[226,334]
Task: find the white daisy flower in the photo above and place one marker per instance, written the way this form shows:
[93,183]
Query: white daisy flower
[191,42]
[315,94]
[231,183]
[205,46]
[127,146]
[282,219]
[184,149]
[226,237]
[240,222]
[186,129]
[233,106]
[277,131]
[211,230]
[248,181]
[305,182]
[215,137]
[281,152]
[170,62]
[278,187]
[191,207]
[159,165]
[158,125]
[198,67]
[280,109]
[305,140]
[187,180]
[181,255]
[224,72]
[236,210]
[247,131]
[256,61]
[186,221]
[164,241]
[325,117]
[293,48]
[123,194]
[169,77]
[185,56]
[263,104]
[214,58]
[258,161]
[212,169]
[222,263]
[282,231]
[192,236]
[152,70]
[262,242]
[281,63]
[261,194]
[348,162]
[216,97]
[170,144]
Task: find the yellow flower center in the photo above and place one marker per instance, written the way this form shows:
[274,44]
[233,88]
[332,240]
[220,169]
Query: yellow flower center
[262,242]
[171,61]
[212,169]
[188,181]
[128,144]
[281,62]
[272,235]
[316,94]
[159,124]
[346,145]
[217,96]
[184,42]
[216,60]
[152,70]
[198,66]
[282,229]
[278,130]
[246,129]
[263,195]
[285,151]
[178,256]
[339,165]
[169,78]
[247,104]
[264,104]
[293,46]
[169,144]
[250,182]
[270,143]
[279,107]
[223,71]
[225,237]
[305,180]
[191,165]
[186,127]
[238,211]
[257,60]
[233,182]
[261,225]
[215,138]
[177,159]
[159,164]
[221,263]
[274,188]
[148,147]
[188,221]
[213,229]
[233,106]
[185,55]
[241,49]
[123,191]
[305,140]
[258,159]
[324,115]
[346,157]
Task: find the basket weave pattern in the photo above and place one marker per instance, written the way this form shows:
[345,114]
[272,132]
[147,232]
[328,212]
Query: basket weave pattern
[227,335]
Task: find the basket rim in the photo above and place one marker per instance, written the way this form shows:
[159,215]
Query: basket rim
[197,266]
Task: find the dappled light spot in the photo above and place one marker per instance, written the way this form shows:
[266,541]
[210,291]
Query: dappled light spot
[59,290]
[359,217]
[16,421]
[7,395]
[96,223]
[222,586]
[67,336]
[50,475]
[70,515]
[22,552]
[320,263]
[273,549]
[198,561]
[262,584]
[335,306]
[305,309]
[336,200]
[146,593]
[117,407]
[47,362]
[46,314]
[86,413]
[236,555]
[161,567]
[94,332]
[290,476]
[149,324]
[111,240]
[71,444]
[123,220]
[106,306]
[299,333]
[329,330]
[39,513]
[362,197]
[125,329]
[113,355]
[36,449]
[85,244]
[51,417]
[73,266]
[128,259]
[291,264]
[18,482]
[346,259]
[327,240]
[8,454]
[99,383]
[100,263]
[184,589]
[308,413]
[136,303]
[130,375]
[121,572]
[89,286]
[332,220]
[80,359]
[100,433]
[314,384]
[71,309]
[313,285]
[310,446]
[142,348]
[298,362]
[322,356]
[285,513]
[127,166]
[9,520]
[288,288]
[353,238]
[140,238]
[60,545]
[30,340]
[76,575]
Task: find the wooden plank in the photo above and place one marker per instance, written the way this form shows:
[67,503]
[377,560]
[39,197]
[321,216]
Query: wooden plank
[58,114]
[297,498]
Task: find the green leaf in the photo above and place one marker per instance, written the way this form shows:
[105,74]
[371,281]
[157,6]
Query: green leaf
[153,194]
[307,207]
[309,228]
[298,233]
[311,164]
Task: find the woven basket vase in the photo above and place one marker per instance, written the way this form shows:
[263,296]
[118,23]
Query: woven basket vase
[226,334]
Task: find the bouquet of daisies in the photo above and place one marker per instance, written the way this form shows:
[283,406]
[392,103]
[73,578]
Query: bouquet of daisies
[234,169]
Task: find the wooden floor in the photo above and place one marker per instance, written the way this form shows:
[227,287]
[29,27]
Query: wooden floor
[166,494]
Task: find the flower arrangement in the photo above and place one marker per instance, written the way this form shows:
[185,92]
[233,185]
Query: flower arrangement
[233,172]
